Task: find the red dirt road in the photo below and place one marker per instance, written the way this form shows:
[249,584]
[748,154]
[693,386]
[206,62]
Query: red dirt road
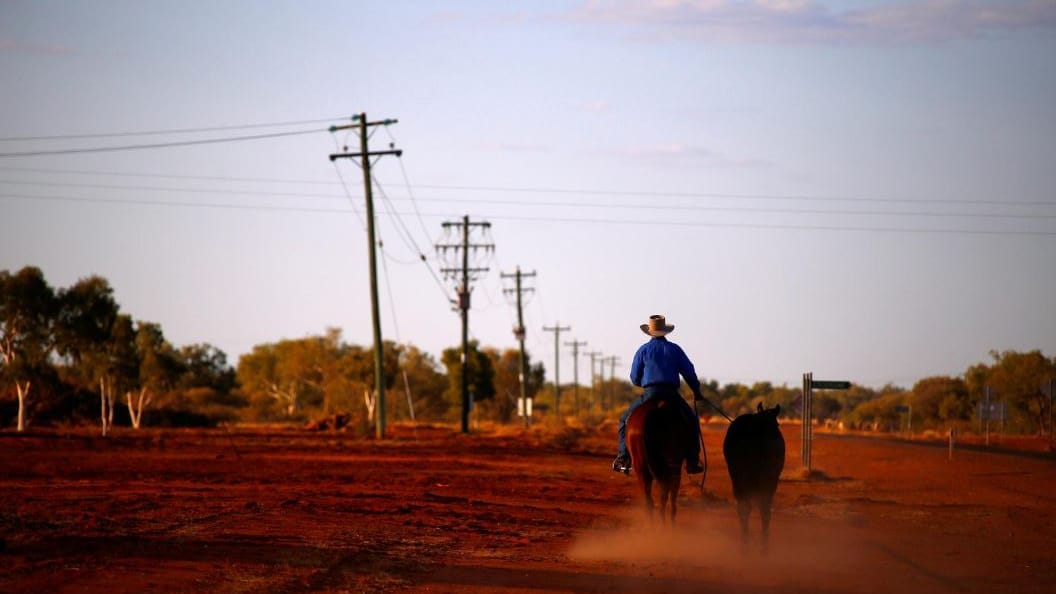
[293,511]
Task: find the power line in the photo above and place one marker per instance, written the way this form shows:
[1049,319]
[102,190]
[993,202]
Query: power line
[134,147]
[727,195]
[414,244]
[348,194]
[642,193]
[216,205]
[547,204]
[597,221]
[401,228]
[407,185]
[167,175]
[169,131]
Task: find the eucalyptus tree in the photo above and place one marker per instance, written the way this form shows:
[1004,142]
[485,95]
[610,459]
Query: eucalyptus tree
[86,316]
[479,370]
[27,316]
[116,366]
[159,369]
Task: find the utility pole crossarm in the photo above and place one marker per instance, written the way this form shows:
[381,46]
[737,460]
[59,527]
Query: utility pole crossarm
[336,156]
[359,118]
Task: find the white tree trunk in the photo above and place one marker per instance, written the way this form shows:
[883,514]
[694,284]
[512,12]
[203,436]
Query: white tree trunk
[288,396]
[370,401]
[106,399]
[110,397]
[23,391]
[131,411]
[136,412]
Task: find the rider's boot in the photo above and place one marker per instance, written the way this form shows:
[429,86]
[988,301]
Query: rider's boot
[622,464]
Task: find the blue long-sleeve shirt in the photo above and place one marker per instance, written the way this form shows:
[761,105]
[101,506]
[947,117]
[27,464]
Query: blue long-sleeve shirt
[661,361]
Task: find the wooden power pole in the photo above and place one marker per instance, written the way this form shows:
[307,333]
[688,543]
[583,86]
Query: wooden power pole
[575,344]
[364,156]
[519,332]
[464,275]
[612,360]
[593,358]
[557,329]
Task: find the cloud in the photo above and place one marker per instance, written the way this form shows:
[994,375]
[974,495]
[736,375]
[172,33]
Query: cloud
[516,148]
[10,45]
[597,106]
[809,22]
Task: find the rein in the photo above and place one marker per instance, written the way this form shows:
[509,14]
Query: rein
[703,449]
[717,409]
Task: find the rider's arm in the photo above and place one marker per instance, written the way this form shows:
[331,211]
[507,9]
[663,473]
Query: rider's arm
[690,375]
[637,369]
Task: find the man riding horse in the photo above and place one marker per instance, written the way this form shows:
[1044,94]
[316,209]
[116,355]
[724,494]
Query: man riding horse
[656,367]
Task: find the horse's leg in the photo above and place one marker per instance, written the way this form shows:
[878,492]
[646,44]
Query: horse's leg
[765,501]
[676,483]
[663,500]
[647,488]
[744,507]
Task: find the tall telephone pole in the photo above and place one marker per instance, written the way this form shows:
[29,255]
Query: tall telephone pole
[464,274]
[612,361]
[364,156]
[575,344]
[557,329]
[519,332]
[593,357]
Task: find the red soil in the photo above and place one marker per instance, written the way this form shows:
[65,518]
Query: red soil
[295,511]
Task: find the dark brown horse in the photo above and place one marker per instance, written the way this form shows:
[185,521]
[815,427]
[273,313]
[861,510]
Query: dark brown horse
[656,437]
[755,455]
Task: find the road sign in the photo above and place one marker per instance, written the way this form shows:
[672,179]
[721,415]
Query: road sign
[993,411]
[521,408]
[829,385]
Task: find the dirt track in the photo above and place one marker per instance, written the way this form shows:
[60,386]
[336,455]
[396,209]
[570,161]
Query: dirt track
[293,511]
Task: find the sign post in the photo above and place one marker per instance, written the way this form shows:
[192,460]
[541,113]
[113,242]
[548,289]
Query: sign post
[986,415]
[1050,392]
[908,409]
[809,384]
[804,449]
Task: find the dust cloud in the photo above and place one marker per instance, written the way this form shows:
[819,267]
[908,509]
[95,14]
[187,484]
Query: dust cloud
[801,549]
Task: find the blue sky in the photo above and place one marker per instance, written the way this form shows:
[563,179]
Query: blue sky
[859,189]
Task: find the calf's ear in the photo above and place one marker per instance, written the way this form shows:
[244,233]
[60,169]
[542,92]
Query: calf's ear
[777,410]
[759,407]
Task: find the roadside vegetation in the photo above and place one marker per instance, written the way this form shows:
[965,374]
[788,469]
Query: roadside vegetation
[71,356]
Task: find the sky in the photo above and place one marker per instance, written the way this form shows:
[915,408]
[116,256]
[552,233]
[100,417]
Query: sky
[863,190]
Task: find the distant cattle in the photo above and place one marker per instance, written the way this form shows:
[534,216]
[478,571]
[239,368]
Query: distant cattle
[755,455]
[656,437]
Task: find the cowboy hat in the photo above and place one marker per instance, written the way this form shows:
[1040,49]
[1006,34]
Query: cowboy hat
[657,326]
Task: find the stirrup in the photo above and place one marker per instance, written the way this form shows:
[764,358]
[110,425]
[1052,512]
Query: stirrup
[621,465]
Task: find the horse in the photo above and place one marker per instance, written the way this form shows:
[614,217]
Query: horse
[656,437]
[755,455]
